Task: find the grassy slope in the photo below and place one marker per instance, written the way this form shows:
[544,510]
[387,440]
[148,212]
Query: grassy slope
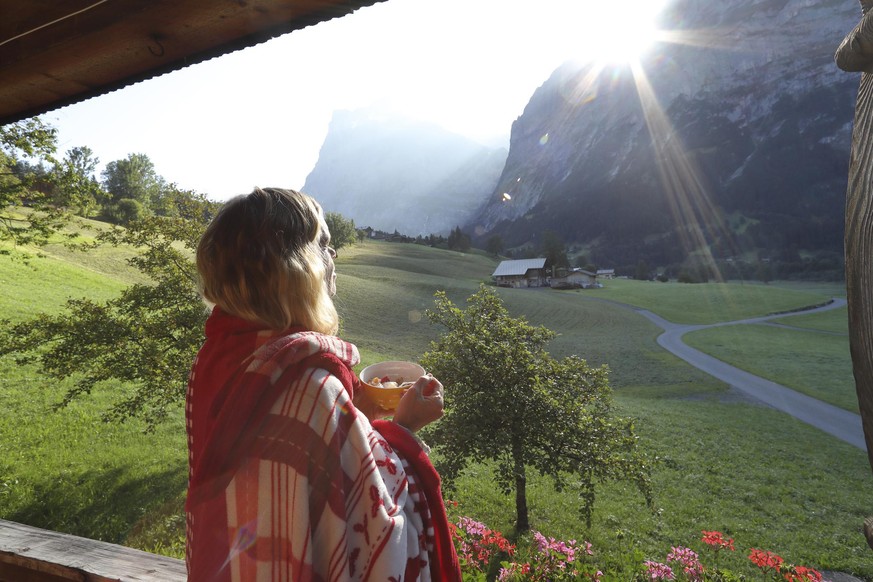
[67,470]
[835,321]
[708,303]
[44,284]
[817,364]
[728,464]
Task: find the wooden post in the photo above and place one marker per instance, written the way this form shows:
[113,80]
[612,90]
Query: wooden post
[30,554]
[855,54]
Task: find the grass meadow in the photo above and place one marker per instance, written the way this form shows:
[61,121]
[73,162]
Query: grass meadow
[773,352]
[724,462]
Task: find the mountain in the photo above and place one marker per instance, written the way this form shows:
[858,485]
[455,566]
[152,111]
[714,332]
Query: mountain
[392,173]
[733,144]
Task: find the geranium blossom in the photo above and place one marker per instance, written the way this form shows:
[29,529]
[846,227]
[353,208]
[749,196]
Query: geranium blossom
[477,544]
[658,571]
[765,560]
[557,556]
[550,560]
[802,574]
[512,570]
[717,540]
[688,559]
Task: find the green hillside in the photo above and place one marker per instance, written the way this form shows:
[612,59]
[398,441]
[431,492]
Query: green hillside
[726,462]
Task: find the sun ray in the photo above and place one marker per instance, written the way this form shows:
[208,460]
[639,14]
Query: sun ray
[687,194]
[709,38]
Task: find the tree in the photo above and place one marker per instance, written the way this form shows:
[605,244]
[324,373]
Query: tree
[459,240]
[133,178]
[19,181]
[508,401]
[38,193]
[435,240]
[342,230]
[553,250]
[147,337]
[642,272]
[125,211]
[74,181]
[494,245]
[694,269]
[764,271]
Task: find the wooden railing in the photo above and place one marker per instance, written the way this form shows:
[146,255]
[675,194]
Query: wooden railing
[30,554]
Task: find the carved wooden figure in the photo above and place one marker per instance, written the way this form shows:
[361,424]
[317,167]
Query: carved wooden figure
[855,54]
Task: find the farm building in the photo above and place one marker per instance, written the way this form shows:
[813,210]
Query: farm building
[606,273]
[575,279]
[521,273]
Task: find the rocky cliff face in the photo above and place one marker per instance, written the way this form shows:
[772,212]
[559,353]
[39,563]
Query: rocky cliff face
[735,139]
[396,174]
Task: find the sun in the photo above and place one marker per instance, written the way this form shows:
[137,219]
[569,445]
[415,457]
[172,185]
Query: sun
[610,32]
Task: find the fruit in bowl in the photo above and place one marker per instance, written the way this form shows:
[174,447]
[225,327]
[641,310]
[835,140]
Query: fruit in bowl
[386,382]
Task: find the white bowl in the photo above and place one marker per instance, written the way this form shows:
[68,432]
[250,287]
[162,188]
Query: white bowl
[396,371]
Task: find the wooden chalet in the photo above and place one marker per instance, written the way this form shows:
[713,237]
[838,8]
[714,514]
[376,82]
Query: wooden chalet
[521,273]
[575,279]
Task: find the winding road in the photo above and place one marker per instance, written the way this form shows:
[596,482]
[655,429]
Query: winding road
[835,421]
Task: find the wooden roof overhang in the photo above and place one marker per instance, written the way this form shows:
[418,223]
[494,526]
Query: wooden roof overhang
[55,53]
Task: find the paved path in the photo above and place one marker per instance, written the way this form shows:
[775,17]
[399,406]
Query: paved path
[835,421]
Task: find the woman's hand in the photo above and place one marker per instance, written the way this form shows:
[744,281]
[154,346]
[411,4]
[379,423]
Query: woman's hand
[421,404]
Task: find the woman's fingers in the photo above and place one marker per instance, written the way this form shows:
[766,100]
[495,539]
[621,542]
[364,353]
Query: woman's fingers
[432,386]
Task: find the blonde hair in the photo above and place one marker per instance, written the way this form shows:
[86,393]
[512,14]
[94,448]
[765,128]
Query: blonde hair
[262,258]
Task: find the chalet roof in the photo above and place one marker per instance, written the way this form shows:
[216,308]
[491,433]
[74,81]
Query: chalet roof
[55,53]
[574,273]
[518,267]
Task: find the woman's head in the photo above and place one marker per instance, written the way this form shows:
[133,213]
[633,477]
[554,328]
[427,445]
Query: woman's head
[265,257]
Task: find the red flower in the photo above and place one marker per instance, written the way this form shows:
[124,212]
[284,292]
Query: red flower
[716,539]
[765,560]
[802,574]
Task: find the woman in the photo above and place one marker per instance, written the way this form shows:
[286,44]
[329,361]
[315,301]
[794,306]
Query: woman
[293,475]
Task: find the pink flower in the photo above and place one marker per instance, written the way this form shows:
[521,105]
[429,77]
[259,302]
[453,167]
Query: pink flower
[559,557]
[506,573]
[688,559]
[476,544]
[658,571]
[471,526]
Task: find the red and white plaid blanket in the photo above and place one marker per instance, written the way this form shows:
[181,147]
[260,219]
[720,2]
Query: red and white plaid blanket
[288,481]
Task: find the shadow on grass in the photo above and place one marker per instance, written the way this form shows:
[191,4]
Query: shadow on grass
[107,504]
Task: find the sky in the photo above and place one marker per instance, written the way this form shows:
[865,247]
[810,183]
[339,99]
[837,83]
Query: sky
[258,117]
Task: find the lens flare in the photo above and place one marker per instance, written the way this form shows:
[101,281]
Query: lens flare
[245,539]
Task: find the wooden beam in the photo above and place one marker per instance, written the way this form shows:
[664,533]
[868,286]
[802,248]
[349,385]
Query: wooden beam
[855,54]
[30,554]
[57,53]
